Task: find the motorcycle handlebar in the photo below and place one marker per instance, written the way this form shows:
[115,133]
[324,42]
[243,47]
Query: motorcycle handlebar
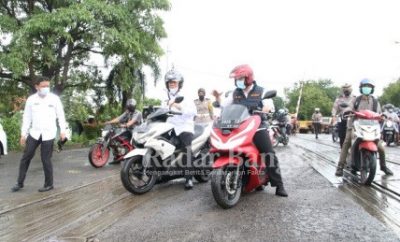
[175,113]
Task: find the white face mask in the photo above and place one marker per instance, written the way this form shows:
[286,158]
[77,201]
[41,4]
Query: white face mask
[44,91]
[240,83]
[173,90]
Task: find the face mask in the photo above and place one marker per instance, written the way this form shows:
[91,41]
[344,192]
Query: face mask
[131,109]
[201,97]
[240,84]
[346,93]
[173,90]
[44,91]
[366,90]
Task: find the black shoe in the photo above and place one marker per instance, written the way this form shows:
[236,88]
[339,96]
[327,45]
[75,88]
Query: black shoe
[387,171]
[189,184]
[280,191]
[46,188]
[16,188]
[260,188]
[339,171]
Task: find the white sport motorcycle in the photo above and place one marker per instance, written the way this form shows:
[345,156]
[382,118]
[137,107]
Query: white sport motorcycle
[3,141]
[158,156]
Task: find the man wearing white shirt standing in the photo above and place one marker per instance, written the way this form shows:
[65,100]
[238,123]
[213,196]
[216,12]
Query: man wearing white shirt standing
[42,109]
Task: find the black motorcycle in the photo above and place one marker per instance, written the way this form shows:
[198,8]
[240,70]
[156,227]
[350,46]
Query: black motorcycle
[388,132]
[279,127]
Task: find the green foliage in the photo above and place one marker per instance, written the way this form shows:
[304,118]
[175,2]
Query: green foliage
[391,94]
[12,127]
[57,39]
[321,94]
[278,103]
[151,101]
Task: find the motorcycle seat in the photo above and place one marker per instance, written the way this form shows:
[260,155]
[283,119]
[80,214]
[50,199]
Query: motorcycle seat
[198,130]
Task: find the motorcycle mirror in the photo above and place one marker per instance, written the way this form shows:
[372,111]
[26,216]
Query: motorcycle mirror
[269,94]
[178,99]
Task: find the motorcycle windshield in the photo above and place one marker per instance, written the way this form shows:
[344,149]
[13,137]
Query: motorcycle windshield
[232,116]
[157,113]
[368,122]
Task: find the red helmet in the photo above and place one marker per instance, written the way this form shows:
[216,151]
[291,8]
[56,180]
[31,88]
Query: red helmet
[241,71]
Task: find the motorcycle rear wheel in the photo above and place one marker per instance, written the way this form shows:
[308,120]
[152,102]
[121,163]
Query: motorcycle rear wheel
[225,193]
[96,156]
[368,167]
[132,176]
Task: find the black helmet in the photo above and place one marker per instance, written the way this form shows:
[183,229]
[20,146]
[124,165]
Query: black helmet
[172,75]
[131,104]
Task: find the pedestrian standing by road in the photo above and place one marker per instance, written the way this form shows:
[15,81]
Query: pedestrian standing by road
[317,121]
[39,127]
[337,111]
[205,110]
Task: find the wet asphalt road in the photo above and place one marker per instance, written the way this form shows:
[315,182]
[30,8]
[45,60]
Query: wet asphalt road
[91,205]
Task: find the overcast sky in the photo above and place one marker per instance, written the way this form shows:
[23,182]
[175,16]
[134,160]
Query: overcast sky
[284,41]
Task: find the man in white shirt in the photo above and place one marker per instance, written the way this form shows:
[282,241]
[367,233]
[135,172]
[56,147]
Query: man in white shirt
[42,109]
[183,124]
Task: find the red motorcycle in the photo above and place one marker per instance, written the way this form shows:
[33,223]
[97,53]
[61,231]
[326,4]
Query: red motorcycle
[238,165]
[114,139]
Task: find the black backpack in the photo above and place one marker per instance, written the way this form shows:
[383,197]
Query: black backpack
[374,106]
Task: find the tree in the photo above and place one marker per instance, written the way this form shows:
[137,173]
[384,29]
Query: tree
[319,94]
[57,38]
[391,94]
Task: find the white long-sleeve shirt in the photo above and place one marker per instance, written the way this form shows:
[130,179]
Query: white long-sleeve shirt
[185,122]
[40,116]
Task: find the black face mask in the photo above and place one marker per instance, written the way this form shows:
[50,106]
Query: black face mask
[346,93]
[201,98]
[131,109]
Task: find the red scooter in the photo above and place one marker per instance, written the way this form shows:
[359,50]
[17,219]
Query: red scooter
[238,165]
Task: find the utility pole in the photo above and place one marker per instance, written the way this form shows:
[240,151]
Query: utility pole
[299,99]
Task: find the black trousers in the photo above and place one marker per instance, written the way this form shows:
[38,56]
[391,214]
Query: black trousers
[186,139]
[317,129]
[342,126]
[46,151]
[264,145]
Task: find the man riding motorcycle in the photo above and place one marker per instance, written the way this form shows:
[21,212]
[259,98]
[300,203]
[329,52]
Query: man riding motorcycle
[183,124]
[130,118]
[249,94]
[390,114]
[363,102]
[337,110]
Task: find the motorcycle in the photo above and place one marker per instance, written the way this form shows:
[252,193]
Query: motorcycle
[112,139]
[158,153]
[278,129]
[238,167]
[335,130]
[3,141]
[365,145]
[388,131]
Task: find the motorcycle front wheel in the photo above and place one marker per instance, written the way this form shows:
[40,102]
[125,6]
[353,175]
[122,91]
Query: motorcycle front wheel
[134,178]
[226,186]
[368,167]
[97,157]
